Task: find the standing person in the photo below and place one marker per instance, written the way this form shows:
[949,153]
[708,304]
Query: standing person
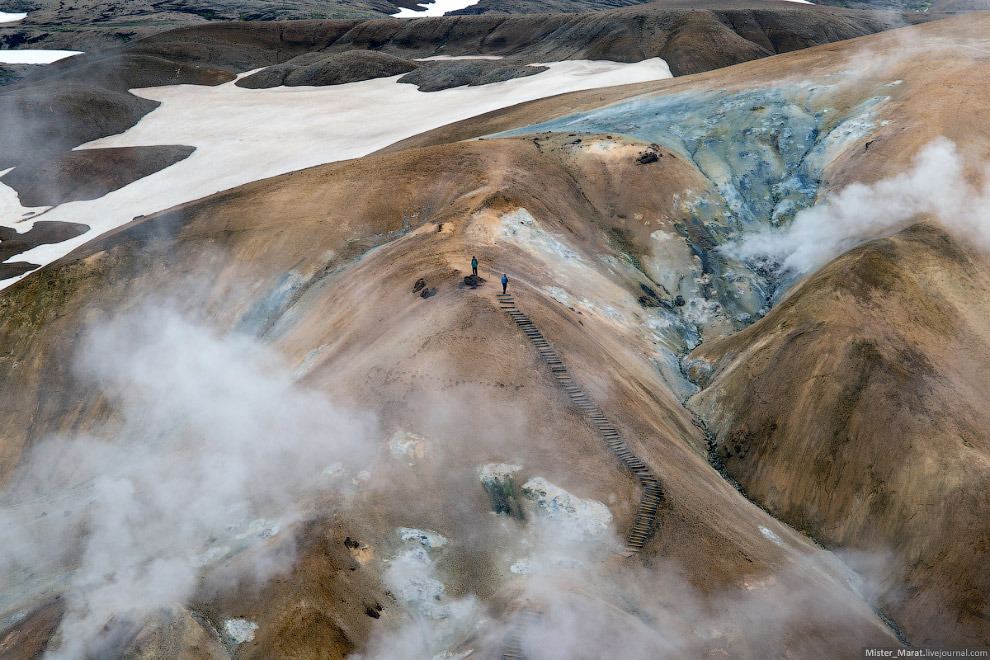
[474,265]
[505,282]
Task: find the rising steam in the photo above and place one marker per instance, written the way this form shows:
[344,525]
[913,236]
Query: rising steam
[935,185]
[213,444]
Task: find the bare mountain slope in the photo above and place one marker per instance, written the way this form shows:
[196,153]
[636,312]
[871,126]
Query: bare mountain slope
[455,372]
[455,486]
[855,411]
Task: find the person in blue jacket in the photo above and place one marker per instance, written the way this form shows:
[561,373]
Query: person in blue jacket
[474,265]
[505,282]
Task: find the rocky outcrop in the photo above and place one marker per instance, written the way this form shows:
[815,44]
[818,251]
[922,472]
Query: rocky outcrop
[438,75]
[319,69]
[42,233]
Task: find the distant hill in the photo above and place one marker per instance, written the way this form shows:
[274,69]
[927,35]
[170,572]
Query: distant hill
[97,24]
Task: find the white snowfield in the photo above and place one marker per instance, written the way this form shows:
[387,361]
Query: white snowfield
[242,135]
[35,56]
[435,8]
[6,17]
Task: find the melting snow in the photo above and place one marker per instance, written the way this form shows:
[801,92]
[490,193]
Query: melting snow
[32,56]
[242,135]
[435,8]
[240,630]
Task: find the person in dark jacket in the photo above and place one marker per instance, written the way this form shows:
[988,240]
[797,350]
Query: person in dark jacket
[474,265]
[505,282]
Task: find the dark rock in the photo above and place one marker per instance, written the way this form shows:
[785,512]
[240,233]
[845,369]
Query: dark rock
[679,301]
[473,281]
[444,74]
[419,285]
[11,73]
[372,611]
[321,69]
[648,157]
[43,232]
[428,293]
[652,299]
[502,496]
[16,268]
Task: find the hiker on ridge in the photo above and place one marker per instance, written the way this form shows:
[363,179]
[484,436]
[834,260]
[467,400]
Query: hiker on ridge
[505,282]
[474,265]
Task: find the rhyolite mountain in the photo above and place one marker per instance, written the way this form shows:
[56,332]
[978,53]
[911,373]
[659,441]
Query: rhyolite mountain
[814,443]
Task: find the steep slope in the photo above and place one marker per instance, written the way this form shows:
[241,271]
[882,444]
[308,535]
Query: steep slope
[854,410]
[807,404]
[454,378]
[771,394]
[464,488]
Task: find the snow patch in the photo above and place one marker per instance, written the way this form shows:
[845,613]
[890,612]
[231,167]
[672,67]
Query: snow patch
[435,8]
[6,17]
[35,56]
[243,135]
